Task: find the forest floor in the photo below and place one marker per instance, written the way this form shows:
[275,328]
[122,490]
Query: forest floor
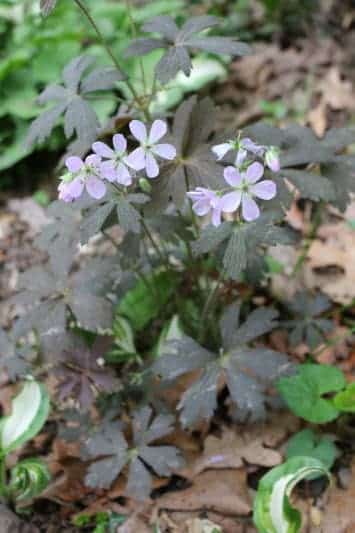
[311,82]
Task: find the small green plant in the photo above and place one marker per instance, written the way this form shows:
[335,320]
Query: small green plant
[305,392]
[311,444]
[318,393]
[273,512]
[29,477]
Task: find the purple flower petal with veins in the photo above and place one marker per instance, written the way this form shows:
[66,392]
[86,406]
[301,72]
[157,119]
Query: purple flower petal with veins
[220,150]
[138,130]
[151,165]
[166,151]
[265,190]
[119,143]
[158,130]
[76,187]
[250,209]
[254,172]
[230,201]
[136,159]
[102,150]
[95,187]
[232,176]
[74,163]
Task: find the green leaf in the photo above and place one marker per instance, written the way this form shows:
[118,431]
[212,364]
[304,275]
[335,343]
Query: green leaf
[30,409]
[28,479]
[272,509]
[310,444]
[304,392]
[345,400]
[145,301]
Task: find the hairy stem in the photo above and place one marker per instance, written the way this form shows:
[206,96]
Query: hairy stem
[108,49]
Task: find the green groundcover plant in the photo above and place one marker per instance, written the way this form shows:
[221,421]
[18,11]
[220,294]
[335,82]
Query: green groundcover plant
[197,210]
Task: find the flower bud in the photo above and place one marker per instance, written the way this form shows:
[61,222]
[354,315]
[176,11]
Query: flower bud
[145,185]
[272,159]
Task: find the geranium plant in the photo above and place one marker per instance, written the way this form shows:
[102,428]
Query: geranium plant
[197,210]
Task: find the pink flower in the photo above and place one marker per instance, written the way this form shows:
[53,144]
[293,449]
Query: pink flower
[204,201]
[114,169]
[85,175]
[246,187]
[144,157]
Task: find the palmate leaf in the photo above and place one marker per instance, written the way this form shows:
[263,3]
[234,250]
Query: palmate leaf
[30,409]
[80,80]
[248,372]
[312,165]
[118,208]
[242,244]
[51,298]
[179,42]
[110,444]
[308,326]
[79,374]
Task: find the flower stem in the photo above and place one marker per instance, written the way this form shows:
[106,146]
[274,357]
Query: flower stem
[209,305]
[3,482]
[108,49]
[153,243]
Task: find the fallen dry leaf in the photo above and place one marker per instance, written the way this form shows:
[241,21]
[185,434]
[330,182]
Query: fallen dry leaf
[233,448]
[334,247]
[221,491]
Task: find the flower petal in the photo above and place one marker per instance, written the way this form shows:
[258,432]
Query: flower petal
[108,171]
[201,207]
[74,163]
[166,151]
[64,193]
[232,176]
[103,150]
[220,150]
[123,175]
[119,143]
[138,130]
[95,187]
[93,160]
[241,157]
[216,216]
[265,189]
[76,187]
[158,130]
[254,172]
[230,201]
[250,209]
[151,165]
[251,146]
[136,159]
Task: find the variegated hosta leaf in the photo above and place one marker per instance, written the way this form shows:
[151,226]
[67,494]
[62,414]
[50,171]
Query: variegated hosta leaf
[28,479]
[272,510]
[30,409]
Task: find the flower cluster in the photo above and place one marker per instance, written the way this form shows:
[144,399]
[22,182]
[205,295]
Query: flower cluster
[243,179]
[115,164]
